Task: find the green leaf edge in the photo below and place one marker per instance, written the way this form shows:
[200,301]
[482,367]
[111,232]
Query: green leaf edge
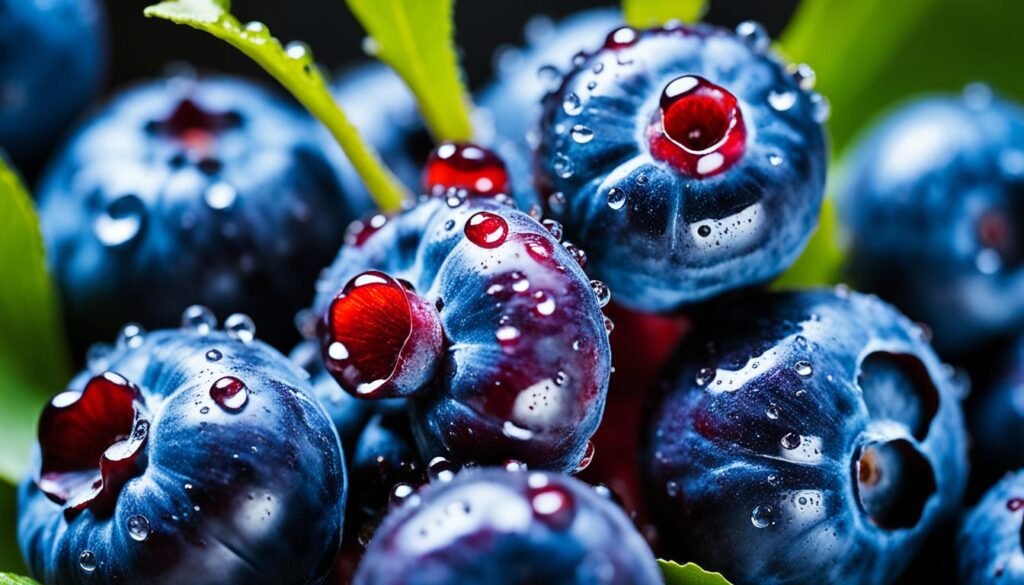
[443,100]
[651,13]
[300,76]
[12,579]
[689,574]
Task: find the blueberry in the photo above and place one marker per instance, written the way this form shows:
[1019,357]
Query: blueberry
[991,539]
[183,191]
[687,161]
[510,106]
[805,438]
[482,320]
[380,105]
[52,61]
[500,527]
[933,207]
[996,416]
[164,462]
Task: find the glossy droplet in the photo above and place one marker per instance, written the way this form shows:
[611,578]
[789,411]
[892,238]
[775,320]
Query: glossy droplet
[775,159]
[486,229]
[820,108]
[763,516]
[121,221]
[672,489]
[138,527]
[804,368]
[87,561]
[554,227]
[781,101]
[298,51]
[553,505]
[507,335]
[556,202]
[601,291]
[698,127]
[616,198]
[754,36]
[772,411]
[229,393]
[214,355]
[791,441]
[131,336]
[562,166]
[441,469]
[257,31]
[572,105]
[220,196]
[621,38]
[198,319]
[240,326]
[581,134]
[704,376]
[588,457]
[804,76]
[545,303]
[576,253]
[465,166]
[609,325]
[400,494]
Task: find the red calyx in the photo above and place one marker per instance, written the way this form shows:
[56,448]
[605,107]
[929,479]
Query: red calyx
[194,126]
[465,166]
[92,442]
[698,129]
[381,339]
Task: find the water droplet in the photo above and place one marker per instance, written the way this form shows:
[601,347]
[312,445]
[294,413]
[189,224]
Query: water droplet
[581,134]
[781,101]
[214,355]
[775,159]
[138,527]
[820,108]
[577,253]
[773,480]
[554,227]
[441,469]
[804,76]
[121,221]
[507,335]
[588,457]
[609,325]
[772,411]
[704,231]
[754,36]
[131,336]
[220,196]
[672,489]
[400,494]
[486,229]
[545,303]
[87,561]
[763,516]
[804,368]
[704,376]
[298,50]
[198,319]
[556,201]
[616,198]
[562,166]
[601,291]
[229,393]
[240,327]
[791,441]
[572,105]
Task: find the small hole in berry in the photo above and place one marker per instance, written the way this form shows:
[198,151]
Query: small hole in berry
[894,483]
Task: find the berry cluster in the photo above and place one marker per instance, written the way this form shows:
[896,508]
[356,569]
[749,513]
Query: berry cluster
[453,368]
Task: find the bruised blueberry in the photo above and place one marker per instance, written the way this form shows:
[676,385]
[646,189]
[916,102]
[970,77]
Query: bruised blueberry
[687,161]
[500,527]
[164,462]
[795,428]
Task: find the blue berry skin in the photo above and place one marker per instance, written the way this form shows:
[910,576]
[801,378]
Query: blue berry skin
[510,106]
[659,235]
[932,206]
[996,416]
[497,527]
[805,438]
[184,191]
[525,367]
[52,62]
[379,104]
[221,497]
[991,542]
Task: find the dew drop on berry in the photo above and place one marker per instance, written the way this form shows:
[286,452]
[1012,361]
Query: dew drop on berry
[554,227]
[672,489]
[562,166]
[775,159]
[754,36]
[616,198]
[486,229]
[229,393]
[240,327]
[581,134]
[572,105]
[138,527]
[401,493]
[220,196]
[87,561]
[609,325]
[588,456]
[441,469]
[704,376]
[791,441]
[553,505]
[804,76]
[556,201]
[131,336]
[763,516]
[772,412]
[576,252]
[214,355]
[781,101]
[601,291]
[545,303]
[704,231]
[820,108]
[121,221]
[198,319]
[804,368]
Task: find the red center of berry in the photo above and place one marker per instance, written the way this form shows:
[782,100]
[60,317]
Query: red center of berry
[698,128]
[466,167]
[486,229]
[621,38]
[92,443]
[382,339]
[194,126]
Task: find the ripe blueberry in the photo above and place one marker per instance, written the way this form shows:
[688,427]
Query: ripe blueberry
[52,61]
[687,161]
[933,208]
[797,428]
[500,527]
[991,543]
[164,462]
[481,317]
[183,191]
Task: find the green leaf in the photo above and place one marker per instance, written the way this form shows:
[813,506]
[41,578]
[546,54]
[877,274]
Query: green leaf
[293,67]
[10,554]
[33,356]
[11,579]
[416,38]
[822,260]
[649,13]
[689,574]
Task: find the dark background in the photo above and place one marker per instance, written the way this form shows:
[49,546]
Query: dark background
[144,47]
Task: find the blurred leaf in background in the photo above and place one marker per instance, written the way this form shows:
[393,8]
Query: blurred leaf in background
[9,579]
[648,13]
[689,574]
